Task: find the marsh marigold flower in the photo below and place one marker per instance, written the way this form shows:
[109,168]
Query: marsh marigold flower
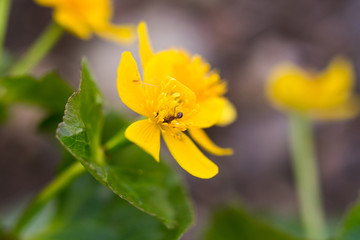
[85,17]
[178,93]
[327,94]
[194,73]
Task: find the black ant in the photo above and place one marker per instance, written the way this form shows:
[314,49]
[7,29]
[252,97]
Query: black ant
[170,118]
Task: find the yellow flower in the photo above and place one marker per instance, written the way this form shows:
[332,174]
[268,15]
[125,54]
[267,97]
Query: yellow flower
[194,73]
[85,17]
[322,95]
[179,93]
[171,108]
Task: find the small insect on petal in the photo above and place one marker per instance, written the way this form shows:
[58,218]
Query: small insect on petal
[137,81]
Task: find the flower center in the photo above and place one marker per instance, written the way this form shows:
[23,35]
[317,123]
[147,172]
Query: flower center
[171,107]
[170,110]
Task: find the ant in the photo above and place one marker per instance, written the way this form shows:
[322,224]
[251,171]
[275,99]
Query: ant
[170,118]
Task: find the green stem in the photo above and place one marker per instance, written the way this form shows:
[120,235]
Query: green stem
[116,142]
[59,183]
[2,233]
[4,16]
[38,50]
[306,176]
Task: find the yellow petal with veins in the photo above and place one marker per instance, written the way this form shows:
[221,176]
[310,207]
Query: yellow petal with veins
[146,52]
[209,113]
[205,142]
[130,86]
[116,33]
[228,114]
[189,157]
[146,134]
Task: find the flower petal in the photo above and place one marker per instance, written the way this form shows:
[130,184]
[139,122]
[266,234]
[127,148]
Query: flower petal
[145,48]
[205,142]
[185,93]
[337,82]
[188,155]
[287,85]
[72,23]
[228,115]
[117,33]
[146,134]
[130,86]
[97,13]
[167,63]
[209,113]
[348,110]
[342,71]
[315,93]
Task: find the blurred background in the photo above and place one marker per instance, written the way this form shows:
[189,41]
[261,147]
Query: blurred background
[244,39]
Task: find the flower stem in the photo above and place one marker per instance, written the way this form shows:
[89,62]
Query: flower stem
[4,15]
[116,142]
[38,50]
[306,176]
[59,183]
[2,233]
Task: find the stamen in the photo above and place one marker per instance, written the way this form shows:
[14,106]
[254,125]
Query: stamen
[169,107]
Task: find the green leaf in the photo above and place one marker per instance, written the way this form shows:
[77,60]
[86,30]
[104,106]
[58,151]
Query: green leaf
[113,124]
[232,223]
[350,227]
[82,123]
[130,173]
[6,61]
[3,112]
[89,211]
[50,93]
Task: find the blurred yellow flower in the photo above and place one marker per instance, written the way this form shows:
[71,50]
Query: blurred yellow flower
[194,73]
[322,95]
[170,108]
[85,17]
